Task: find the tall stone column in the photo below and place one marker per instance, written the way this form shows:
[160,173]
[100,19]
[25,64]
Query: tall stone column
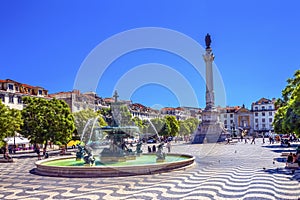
[210,96]
[210,129]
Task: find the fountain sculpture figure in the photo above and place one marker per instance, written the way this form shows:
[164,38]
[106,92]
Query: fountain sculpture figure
[161,156]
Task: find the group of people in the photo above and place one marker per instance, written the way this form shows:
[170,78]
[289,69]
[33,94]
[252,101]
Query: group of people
[153,149]
[6,154]
[294,157]
[38,152]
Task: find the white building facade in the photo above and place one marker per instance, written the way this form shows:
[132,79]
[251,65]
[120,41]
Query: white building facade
[263,113]
[11,93]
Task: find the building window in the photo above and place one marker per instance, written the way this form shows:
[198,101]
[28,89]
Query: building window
[270,107]
[263,120]
[263,125]
[40,92]
[225,121]
[270,113]
[231,121]
[19,100]
[256,114]
[225,115]
[263,114]
[262,107]
[17,89]
[2,98]
[11,99]
[256,120]
[255,108]
[231,115]
[270,119]
[10,87]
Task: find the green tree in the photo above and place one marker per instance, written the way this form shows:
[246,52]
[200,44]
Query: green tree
[86,119]
[184,128]
[47,121]
[172,126]
[192,124]
[139,123]
[287,117]
[292,115]
[10,122]
[82,117]
[15,121]
[158,123]
[107,114]
[4,123]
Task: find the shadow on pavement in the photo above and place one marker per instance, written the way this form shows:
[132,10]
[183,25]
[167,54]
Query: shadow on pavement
[294,172]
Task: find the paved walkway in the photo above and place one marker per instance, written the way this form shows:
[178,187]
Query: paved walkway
[235,171]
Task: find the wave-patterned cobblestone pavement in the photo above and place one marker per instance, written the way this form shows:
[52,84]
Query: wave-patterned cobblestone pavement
[239,171]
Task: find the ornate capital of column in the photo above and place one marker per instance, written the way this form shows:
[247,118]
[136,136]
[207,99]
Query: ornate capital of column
[208,56]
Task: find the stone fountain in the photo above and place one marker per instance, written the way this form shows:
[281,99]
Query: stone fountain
[105,154]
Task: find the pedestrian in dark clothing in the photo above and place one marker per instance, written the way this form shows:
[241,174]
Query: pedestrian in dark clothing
[253,139]
[154,148]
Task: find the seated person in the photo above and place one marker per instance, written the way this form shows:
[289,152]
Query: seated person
[298,149]
[7,156]
[290,158]
[294,158]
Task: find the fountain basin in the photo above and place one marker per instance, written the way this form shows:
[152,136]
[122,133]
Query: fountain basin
[129,168]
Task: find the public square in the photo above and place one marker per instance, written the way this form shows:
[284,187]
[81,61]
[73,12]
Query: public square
[221,171]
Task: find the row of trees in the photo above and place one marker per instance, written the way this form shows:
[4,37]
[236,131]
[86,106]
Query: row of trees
[167,126]
[287,117]
[43,121]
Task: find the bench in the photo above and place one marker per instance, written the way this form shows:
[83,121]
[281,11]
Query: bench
[285,154]
[292,166]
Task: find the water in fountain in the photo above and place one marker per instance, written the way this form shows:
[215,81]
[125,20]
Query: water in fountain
[85,128]
[91,137]
[152,125]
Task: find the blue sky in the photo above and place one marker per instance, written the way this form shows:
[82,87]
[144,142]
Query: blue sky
[256,44]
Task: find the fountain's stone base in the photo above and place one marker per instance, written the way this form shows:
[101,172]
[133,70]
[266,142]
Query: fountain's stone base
[107,159]
[160,160]
[110,171]
[131,157]
[112,159]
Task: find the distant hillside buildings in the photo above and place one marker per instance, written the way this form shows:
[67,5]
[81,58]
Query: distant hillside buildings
[258,119]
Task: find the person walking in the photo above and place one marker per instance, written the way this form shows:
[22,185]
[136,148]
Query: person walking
[38,151]
[169,147]
[154,148]
[253,139]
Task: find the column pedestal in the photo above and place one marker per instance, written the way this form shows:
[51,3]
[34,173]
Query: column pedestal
[210,130]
